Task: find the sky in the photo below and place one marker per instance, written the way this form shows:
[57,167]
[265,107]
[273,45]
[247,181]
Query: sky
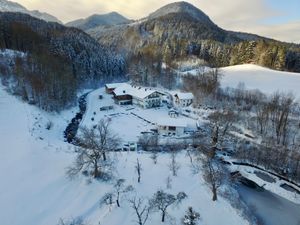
[278,19]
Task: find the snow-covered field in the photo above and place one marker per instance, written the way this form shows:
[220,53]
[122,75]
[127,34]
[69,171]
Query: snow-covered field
[264,79]
[35,190]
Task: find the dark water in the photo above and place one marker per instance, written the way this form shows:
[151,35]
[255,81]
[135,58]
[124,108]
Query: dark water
[270,208]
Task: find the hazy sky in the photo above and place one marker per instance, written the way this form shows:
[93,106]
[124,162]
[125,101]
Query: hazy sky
[279,19]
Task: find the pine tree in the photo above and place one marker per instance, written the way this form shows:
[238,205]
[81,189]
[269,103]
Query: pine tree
[191,217]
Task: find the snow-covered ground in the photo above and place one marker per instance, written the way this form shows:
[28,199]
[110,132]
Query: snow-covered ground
[128,121]
[264,79]
[35,190]
[273,186]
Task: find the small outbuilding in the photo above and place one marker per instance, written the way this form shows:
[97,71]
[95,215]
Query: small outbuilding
[171,127]
[173,113]
[109,88]
[183,99]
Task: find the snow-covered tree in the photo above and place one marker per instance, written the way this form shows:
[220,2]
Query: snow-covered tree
[94,145]
[191,217]
[213,174]
[119,188]
[138,168]
[174,165]
[161,201]
[141,209]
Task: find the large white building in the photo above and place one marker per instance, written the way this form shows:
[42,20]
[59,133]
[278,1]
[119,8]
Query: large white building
[125,94]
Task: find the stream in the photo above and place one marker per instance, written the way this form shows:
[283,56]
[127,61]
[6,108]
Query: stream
[73,126]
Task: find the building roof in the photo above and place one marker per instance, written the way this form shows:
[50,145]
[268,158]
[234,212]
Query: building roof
[171,122]
[113,85]
[134,91]
[182,95]
[185,96]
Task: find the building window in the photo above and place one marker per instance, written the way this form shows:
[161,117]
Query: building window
[172,128]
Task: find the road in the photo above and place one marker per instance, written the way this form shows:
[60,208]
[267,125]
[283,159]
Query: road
[270,208]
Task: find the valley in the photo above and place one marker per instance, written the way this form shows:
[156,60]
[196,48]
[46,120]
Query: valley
[43,157]
[40,192]
[147,113]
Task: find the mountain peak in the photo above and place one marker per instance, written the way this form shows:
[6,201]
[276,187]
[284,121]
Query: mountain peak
[8,6]
[112,18]
[181,7]
[114,13]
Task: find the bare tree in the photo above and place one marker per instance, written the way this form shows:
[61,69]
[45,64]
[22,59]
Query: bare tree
[239,92]
[101,138]
[262,116]
[138,168]
[174,165]
[154,157]
[115,196]
[161,201]
[120,188]
[77,221]
[94,144]
[213,174]
[148,141]
[191,217]
[280,107]
[221,122]
[169,182]
[203,84]
[141,209]
[107,199]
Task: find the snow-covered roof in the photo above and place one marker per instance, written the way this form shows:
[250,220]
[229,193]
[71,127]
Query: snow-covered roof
[134,91]
[113,85]
[185,96]
[171,122]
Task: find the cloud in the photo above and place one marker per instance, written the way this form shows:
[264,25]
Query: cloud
[238,15]
[72,9]
[286,32]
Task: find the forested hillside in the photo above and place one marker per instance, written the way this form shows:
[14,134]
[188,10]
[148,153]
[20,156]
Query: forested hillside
[59,60]
[180,30]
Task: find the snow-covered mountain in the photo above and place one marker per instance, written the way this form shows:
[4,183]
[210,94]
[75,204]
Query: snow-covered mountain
[96,20]
[8,6]
[179,30]
[181,7]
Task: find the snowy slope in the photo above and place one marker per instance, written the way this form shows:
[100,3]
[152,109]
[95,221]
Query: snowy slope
[264,79]
[35,190]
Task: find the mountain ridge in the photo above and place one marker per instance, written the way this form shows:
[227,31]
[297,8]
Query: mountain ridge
[96,20]
[59,60]
[9,6]
[180,29]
